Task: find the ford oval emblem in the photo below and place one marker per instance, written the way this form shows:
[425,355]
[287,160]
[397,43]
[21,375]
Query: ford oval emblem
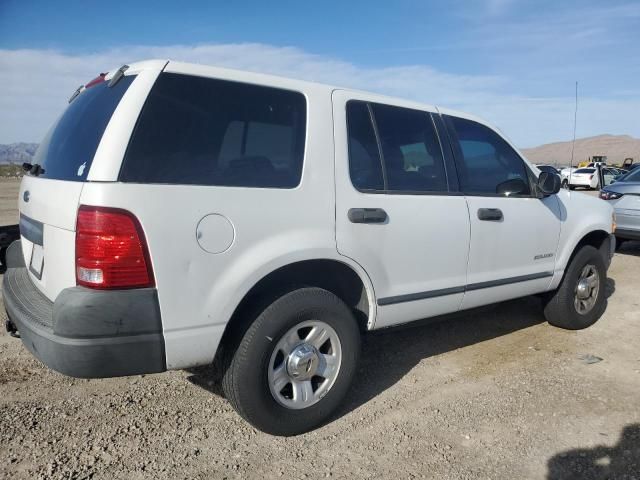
[25,195]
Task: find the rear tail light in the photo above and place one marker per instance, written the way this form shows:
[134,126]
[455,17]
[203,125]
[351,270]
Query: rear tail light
[607,195]
[590,177]
[111,250]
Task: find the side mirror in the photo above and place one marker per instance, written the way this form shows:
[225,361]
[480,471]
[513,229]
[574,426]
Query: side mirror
[548,183]
[515,186]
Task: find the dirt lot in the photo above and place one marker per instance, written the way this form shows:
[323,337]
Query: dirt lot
[495,393]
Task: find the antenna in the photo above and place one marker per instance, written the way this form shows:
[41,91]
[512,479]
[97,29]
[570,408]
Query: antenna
[575,123]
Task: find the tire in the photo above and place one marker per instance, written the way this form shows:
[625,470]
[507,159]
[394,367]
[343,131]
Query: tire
[620,242]
[565,184]
[561,309]
[250,367]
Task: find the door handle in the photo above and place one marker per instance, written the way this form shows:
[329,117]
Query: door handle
[367,215]
[490,214]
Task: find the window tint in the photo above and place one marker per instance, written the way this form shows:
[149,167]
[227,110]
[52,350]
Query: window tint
[195,130]
[486,162]
[410,149]
[365,167]
[68,149]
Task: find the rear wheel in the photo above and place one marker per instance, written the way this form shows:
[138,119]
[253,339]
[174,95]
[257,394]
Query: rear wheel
[580,299]
[565,184]
[293,366]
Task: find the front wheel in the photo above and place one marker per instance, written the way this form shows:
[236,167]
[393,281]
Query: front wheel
[565,184]
[295,363]
[580,300]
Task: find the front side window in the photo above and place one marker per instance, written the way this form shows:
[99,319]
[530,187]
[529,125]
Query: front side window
[195,130]
[486,162]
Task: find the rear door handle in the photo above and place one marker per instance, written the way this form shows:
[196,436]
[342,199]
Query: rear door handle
[367,215]
[490,214]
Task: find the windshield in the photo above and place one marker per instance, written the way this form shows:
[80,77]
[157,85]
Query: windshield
[68,148]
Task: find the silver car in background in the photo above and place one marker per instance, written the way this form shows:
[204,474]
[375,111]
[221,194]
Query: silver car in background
[624,195]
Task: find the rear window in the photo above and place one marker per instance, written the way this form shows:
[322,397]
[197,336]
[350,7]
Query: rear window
[632,176]
[585,170]
[203,131]
[68,148]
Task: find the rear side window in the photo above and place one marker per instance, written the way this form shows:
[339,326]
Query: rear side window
[393,149]
[632,176]
[203,131]
[412,156]
[585,170]
[486,162]
[365,167]
[68,149]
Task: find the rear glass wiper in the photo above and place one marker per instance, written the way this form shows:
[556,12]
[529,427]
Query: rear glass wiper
[34,169]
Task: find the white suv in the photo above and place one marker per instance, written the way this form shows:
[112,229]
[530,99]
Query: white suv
[177,213]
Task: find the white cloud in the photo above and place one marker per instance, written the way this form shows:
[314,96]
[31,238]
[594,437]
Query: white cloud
[35,86]
[498,7]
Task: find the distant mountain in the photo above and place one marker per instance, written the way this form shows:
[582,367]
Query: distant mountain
[615,147]
[17,153]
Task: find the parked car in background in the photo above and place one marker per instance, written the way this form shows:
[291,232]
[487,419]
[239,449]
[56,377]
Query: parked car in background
[581,177]
[609,176]
[624,196]
[619,171]
[626,173]
[564,175]
[179,213]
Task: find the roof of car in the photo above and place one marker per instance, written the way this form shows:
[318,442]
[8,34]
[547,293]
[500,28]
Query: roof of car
[292,83]
[251,77]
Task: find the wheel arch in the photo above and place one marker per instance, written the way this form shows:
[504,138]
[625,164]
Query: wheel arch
[598,238]
[346,281]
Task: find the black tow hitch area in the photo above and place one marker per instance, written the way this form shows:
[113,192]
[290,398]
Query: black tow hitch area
[11,328]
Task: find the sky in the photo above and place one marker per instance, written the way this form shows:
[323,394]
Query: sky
[512,62]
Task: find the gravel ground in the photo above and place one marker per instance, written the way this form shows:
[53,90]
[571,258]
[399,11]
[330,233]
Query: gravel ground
[492,393]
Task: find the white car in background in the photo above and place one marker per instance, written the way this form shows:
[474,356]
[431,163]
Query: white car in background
[580,177]
[609,174]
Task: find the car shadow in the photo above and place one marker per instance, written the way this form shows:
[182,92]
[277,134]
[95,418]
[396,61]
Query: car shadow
[630,247]
[389,354]
[601,462]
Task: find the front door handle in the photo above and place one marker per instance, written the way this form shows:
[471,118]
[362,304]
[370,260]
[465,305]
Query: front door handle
[490,214]
[367,215]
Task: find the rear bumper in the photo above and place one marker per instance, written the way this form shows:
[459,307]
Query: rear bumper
[87,333]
